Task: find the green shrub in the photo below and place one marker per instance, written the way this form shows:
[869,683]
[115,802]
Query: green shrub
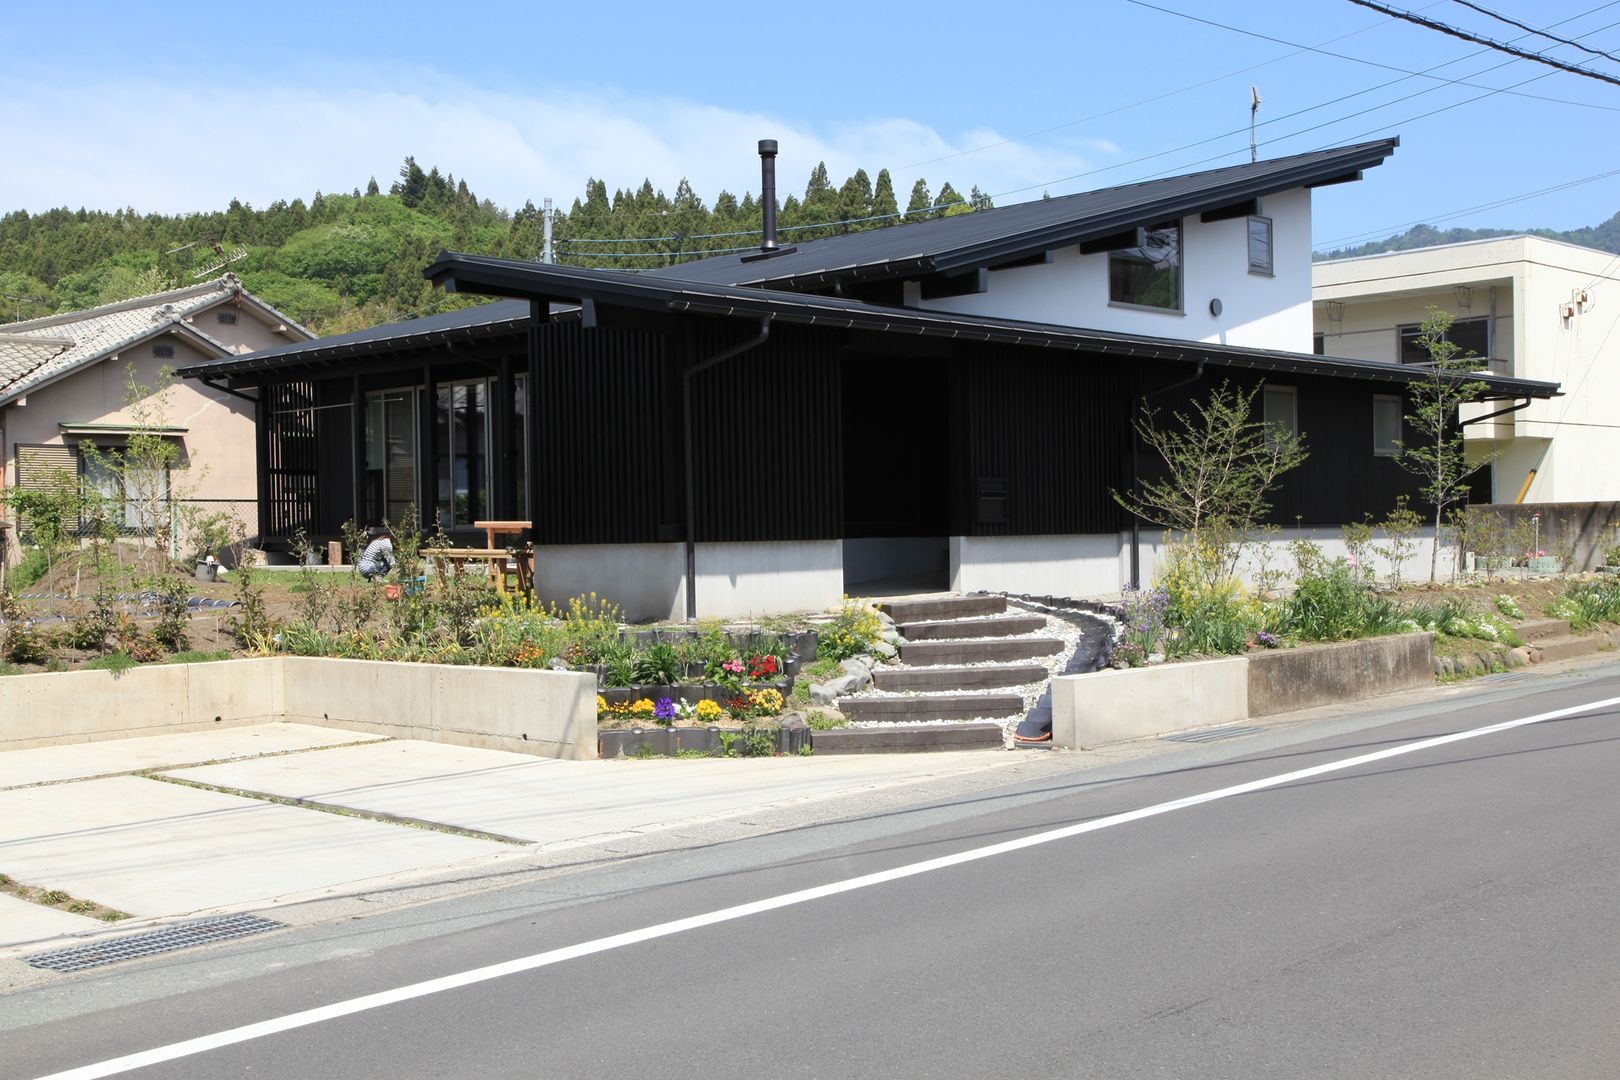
[35,564]
[1587,603]
[114,662]
[854,630]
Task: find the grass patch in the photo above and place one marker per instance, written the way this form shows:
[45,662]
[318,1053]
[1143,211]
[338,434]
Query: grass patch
[825,721]
[822,670]
[114,662]
[198,656]
[9,669]
[59,898]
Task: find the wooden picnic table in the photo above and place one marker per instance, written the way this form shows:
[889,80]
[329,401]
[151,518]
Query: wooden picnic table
[493,531]
[447,561]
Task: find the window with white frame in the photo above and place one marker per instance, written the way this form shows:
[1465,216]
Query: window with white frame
[1386,425]
[1148,275]
[1260,256]
[1280,409]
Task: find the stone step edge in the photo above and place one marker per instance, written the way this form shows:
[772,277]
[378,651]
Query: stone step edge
[911,738]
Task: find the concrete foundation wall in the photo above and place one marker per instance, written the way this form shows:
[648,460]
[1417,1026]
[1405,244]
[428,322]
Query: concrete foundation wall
[760,578]
[880,558]
[1112,706]
[51,709]
[547,713]
[648,581]
[1283,680]
[1071,565]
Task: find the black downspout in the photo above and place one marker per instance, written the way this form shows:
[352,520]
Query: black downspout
[691,466]
[539,315]
[1136,467]
[357,447]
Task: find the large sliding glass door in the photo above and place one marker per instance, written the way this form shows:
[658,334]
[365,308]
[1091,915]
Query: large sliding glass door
[461,434]
[390,454]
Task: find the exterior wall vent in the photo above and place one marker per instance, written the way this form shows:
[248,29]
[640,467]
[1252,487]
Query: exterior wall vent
[226,318]
[163,352]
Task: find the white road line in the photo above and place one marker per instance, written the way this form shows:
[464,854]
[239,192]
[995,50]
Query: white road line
[291,1021]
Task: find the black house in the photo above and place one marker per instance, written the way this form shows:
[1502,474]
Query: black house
[768,431]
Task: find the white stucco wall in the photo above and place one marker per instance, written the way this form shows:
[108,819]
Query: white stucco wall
[1570,440]
[1259,311]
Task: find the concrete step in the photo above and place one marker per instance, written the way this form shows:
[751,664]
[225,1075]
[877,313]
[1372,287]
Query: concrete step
[1563,648]
[927,653]
[931,706]
[909,738]
[942,607]
[942,677]
[995,626]
[1539,629]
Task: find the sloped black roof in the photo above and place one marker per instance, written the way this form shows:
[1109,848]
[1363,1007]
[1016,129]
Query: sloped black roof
[567,288]
[1011,232]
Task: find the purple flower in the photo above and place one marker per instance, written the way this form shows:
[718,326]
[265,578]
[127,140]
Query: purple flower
[665,709]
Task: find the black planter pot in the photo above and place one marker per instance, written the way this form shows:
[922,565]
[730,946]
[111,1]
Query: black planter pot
[804,646]
[696,669]
[790,666]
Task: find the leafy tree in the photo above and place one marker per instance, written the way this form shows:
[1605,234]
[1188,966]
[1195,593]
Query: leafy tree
[1440,458]
[1220,467]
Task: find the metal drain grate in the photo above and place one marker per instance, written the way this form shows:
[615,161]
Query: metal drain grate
[169,939]
[1210,734]
[1506,676]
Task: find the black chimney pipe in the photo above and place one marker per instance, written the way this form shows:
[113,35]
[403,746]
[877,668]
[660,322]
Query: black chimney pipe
[767,192]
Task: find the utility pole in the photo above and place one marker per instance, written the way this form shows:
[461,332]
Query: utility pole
[1254,108]
[545,252]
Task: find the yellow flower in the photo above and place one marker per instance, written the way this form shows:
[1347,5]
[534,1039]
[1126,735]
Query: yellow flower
[708,710]
[644,707]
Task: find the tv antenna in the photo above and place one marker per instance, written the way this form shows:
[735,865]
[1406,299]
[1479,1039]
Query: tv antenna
[213,257]
[1254,108]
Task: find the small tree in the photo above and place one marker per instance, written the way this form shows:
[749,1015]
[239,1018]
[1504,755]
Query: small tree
[1440,458]
[1220,468]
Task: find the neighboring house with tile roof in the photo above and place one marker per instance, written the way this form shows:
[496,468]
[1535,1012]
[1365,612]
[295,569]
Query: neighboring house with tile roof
[65,380]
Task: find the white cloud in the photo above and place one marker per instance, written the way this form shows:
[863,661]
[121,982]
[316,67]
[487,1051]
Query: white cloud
[168,148]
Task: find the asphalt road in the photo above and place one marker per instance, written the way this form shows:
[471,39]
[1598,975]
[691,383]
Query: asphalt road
[1449,911]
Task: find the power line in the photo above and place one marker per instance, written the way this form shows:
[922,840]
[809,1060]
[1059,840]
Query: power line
[1374,63]
[1145,101]
[1441,82]
[1499,46]
[1539,33]
[1431,219]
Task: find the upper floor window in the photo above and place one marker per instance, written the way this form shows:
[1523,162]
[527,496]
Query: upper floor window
[1471,336]
[1260,261]
[1148,275]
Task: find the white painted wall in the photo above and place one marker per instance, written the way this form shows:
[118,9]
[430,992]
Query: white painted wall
[1258,311]
[1571,440]
[648,581]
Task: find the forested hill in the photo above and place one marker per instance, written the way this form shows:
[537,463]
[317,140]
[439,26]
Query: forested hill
[345,262]
[1604,237]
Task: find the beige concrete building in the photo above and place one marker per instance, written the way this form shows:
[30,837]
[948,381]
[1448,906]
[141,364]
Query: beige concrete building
[1529,308]
[65,381]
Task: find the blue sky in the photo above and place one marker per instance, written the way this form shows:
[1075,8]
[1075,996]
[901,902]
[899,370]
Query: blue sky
[207,102]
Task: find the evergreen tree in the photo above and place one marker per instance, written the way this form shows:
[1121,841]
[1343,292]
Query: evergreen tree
[918,208]
[371,187]
[855,200]
[883,200]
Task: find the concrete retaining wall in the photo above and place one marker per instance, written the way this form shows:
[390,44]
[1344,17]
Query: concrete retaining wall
[84,706]
[1581,532]
[1283,680]
[1112,706]
[547,713]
